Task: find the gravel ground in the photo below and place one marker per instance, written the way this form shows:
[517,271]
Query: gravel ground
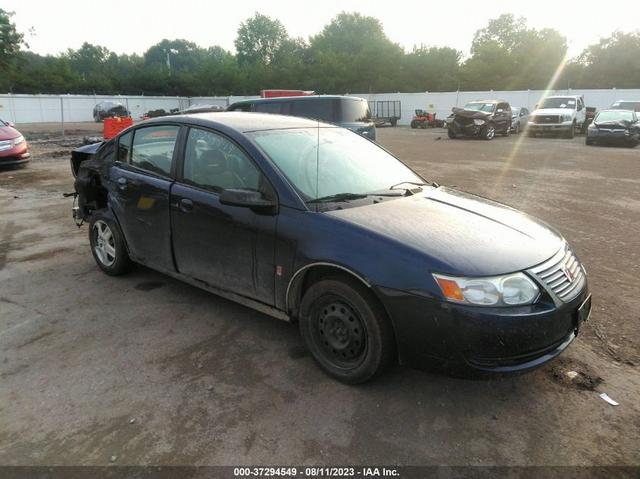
[143,369]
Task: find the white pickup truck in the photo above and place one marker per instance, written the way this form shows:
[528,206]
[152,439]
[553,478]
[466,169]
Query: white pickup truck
[558,114]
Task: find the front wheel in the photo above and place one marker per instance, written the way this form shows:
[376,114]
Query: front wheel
[414,124]
[346,330]
[451,133]
[489,132]
[572,132]
[107,244]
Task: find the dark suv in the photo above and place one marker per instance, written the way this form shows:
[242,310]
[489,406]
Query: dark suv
[346,111]
[482,118]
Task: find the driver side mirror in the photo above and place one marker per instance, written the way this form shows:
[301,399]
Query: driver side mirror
[11,124]
[499,110]
[254,200]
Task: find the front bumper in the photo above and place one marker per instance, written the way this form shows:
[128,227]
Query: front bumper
[12,158]
[614,136]
[466,129]
[459,338]
[549,127]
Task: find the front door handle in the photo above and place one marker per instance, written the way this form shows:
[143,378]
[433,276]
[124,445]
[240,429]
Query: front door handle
[122,182]
[186,205]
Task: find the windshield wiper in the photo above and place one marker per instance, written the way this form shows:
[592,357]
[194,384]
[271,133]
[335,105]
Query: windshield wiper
[416,183]
[347,197]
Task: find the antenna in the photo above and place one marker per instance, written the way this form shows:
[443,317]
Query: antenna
[318,164]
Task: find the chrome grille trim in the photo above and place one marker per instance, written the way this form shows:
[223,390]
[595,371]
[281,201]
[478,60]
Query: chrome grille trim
[552,275]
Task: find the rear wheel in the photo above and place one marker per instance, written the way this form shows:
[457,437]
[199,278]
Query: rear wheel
[414,124]
[107,244]
[516,129]
[346,330]
[394,122]
[588,141]
[451,133]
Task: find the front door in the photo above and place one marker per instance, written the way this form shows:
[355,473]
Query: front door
[229,247]
[142,184]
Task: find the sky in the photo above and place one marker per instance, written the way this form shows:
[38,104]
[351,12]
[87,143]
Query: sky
[132,26]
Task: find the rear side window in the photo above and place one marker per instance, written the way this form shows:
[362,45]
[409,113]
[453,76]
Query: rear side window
[354,111]
[268,107]
[323,109]
[124,147]
[153,147]
[241,107]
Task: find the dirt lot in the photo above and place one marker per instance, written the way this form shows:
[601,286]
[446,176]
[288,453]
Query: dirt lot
[146,370]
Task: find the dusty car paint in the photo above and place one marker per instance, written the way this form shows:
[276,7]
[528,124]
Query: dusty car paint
[391,245]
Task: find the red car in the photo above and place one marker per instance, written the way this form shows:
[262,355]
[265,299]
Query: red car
[14,149]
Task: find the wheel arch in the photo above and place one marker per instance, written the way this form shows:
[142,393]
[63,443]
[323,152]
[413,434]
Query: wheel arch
[309,274]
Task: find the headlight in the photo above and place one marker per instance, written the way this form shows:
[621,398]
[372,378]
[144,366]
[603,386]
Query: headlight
[18,140]
[509,290]
[567,118]
[478,121]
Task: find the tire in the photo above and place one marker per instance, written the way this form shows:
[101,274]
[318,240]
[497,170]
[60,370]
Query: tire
[516,130]
[394,122]
[107,244]
[359,344]
[451,133]
[571,133]
[588,141]
[414,124]
[488,132]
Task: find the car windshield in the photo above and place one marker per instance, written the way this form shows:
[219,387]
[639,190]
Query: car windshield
[626,105]
[354,111]
[322,162]
[569,103]
[620,115]
[477,106]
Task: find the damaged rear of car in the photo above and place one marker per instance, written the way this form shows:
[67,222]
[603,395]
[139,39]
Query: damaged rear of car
[87,168]
[482,119]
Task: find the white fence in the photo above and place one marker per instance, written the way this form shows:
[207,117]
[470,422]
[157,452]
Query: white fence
[79,108]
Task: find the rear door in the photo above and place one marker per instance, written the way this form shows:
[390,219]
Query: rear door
[143,176]
[229,247]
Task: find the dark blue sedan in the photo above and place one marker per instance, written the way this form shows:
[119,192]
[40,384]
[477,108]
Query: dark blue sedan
[312,223]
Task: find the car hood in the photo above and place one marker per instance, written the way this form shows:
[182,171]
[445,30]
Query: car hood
[554,111]
[613,124]
[461,233]
[8,133]
[461,112]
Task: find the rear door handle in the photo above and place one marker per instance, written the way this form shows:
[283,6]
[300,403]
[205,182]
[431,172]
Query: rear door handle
[186,205]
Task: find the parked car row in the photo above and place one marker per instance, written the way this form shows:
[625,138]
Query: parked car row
[565,115]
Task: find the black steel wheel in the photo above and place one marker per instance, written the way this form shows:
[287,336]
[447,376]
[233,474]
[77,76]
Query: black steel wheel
[346,330]
[339,332]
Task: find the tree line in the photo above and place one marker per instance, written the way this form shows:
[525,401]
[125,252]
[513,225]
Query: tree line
[351,54]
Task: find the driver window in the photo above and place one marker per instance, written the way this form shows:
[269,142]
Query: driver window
[152,148]
[213,162]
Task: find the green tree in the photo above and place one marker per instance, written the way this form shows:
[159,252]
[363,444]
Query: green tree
[352,53]
[10,39]
[431,69]
[259,39]
[507,55]
[612,62]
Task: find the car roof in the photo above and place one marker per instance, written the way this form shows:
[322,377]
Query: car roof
[617,110]
[487,101]
[297,98]
[241,121]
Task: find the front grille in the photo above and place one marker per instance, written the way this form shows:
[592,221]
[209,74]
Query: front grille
[562,274]
[546,119]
